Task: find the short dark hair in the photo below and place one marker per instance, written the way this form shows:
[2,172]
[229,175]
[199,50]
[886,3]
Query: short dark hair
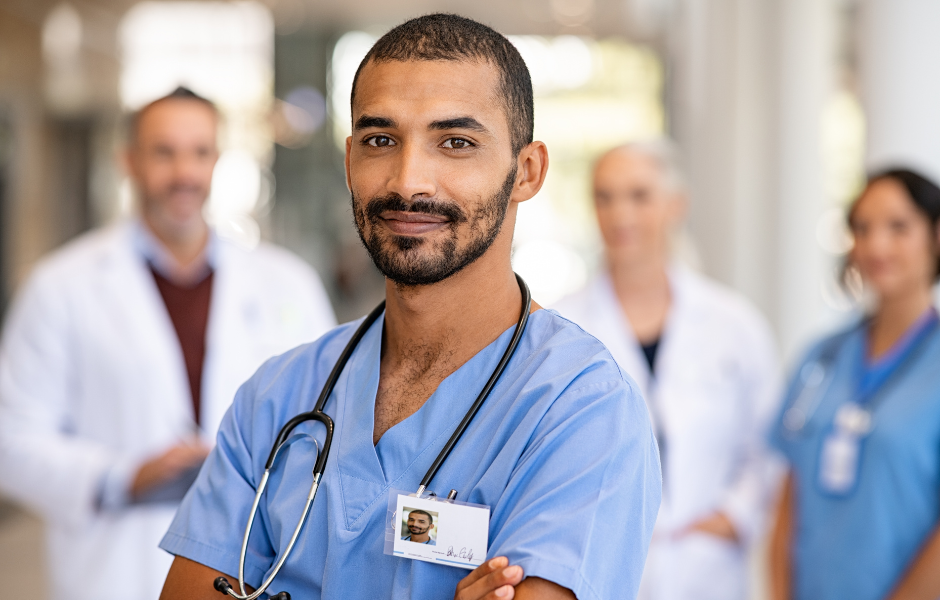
[180,93]
[422,512]
[451,37]
[924,193]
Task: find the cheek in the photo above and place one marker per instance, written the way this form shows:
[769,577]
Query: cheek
[918,251]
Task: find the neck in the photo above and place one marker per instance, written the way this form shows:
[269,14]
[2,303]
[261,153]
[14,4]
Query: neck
[451,320]
[642,287]
[186,244]
[894,317]
[638,278]
[421,537]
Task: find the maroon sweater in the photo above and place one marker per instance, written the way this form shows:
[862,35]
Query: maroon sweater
[189,312]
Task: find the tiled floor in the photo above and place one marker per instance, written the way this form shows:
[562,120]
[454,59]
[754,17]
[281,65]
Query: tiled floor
[22,568]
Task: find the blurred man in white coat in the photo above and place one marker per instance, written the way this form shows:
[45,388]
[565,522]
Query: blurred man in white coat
[706,363]
[124,349]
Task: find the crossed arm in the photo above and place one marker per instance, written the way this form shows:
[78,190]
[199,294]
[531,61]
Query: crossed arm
[493,580]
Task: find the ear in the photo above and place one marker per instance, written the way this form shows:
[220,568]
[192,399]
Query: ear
[348,146]
[531,168]
[126,159]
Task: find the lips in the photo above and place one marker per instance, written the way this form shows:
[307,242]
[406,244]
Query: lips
[412,223]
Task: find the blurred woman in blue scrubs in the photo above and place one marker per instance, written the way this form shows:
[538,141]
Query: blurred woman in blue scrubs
[860,426]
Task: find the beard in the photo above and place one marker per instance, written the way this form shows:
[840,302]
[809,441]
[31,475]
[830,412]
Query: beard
[413,261]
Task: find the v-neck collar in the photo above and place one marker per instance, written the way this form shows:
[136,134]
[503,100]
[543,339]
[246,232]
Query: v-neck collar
[405,451]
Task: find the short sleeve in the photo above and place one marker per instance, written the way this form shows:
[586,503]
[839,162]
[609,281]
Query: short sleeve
[209,524]
[580,507]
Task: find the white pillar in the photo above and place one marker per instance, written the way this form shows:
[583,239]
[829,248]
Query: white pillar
[720,96]
[748,83]
[899,71]
[806,80]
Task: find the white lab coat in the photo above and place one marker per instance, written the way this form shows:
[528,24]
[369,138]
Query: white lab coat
[713,395]
[92,382]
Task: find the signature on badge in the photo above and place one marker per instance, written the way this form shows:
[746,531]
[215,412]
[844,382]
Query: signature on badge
[463,553]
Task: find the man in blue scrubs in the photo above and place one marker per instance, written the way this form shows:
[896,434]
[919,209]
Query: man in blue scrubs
[440,156]
[419,527]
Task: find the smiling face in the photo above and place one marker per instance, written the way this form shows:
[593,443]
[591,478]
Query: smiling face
[429,166]
[171,162]
[895,246]
[418,523]
[636,209]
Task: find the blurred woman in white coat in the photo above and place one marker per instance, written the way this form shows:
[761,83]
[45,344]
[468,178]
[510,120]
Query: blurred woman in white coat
[124,349]
[704,359]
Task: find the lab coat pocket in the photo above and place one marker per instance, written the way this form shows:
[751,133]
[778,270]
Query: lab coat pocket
[708,568]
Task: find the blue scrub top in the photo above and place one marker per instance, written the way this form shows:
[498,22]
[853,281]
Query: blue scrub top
[562,452]
[859,546]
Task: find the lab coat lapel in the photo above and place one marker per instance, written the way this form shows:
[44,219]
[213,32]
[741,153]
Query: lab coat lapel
[680,342]
[133,300]
[232,334]
[617,334]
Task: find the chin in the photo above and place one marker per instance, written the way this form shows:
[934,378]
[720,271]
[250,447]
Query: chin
[885,287]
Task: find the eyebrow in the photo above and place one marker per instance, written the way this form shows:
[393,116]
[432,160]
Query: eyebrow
[368,121]
[458,123]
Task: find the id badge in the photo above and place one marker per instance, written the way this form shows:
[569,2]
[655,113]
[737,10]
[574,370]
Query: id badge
[838,464]
[446,532]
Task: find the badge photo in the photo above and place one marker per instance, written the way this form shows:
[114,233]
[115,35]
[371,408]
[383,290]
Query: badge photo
[442,531]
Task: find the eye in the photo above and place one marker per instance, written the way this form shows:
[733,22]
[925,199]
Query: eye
[380,141]
[457,144]
[899,227]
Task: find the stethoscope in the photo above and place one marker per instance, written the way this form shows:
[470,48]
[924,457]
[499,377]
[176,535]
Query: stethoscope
[816,378]
[221,583]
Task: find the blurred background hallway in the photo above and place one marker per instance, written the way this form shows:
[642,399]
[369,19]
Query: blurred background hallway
[778,108]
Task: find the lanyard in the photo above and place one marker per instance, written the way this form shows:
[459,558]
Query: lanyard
[841,451]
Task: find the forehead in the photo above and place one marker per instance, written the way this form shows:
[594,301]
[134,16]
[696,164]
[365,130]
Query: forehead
[624,166]
[177,118]
[418,516]
[884,194]
[428,90]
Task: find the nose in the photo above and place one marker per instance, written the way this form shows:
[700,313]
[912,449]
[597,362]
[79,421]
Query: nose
[187,169]
[412,173]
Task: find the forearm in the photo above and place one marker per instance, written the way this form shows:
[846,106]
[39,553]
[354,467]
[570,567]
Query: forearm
[780,542]
[922,580]
[189,580]
[536,588]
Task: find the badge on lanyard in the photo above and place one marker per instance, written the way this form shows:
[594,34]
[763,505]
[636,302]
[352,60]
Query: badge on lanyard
[841,449]
[432,529]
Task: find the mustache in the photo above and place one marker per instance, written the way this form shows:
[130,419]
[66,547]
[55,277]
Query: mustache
[185,188]
[393,202]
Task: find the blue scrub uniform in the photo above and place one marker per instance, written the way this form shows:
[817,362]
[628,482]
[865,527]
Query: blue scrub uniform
[562,452]
[858,546]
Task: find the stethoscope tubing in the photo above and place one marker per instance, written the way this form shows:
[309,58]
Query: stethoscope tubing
[484,394]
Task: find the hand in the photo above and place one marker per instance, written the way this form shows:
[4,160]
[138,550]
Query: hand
[167,466]
[493,580]
[716,524]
